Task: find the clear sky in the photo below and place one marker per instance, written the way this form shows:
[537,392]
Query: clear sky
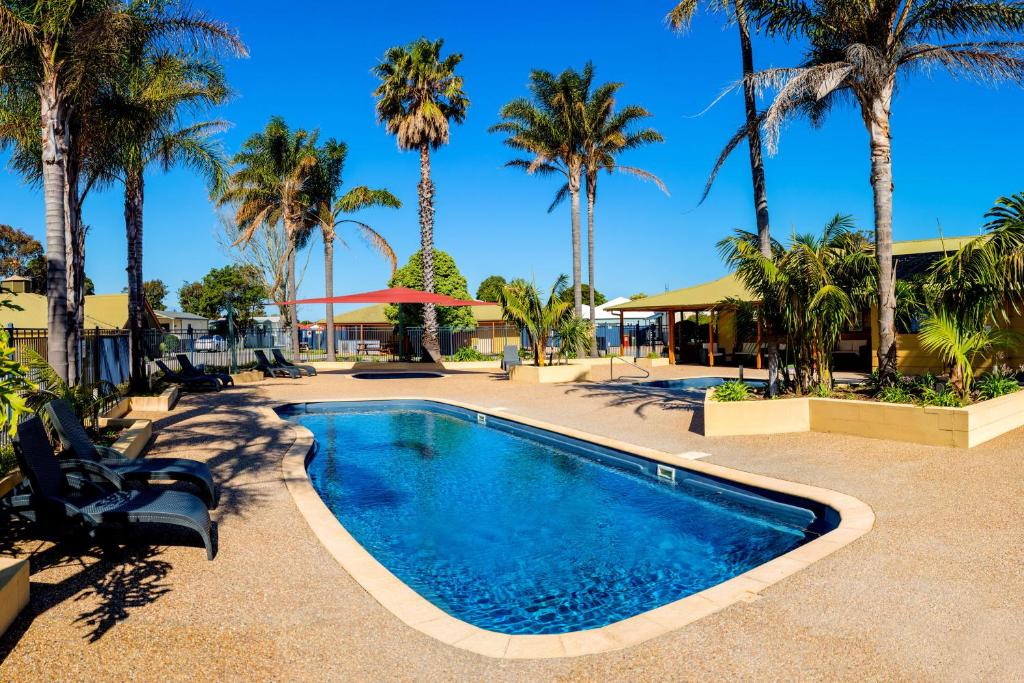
[956,147]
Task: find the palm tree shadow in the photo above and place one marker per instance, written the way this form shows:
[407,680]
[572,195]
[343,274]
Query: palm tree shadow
[643,400]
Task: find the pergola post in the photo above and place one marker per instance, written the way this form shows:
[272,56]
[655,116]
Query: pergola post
[759,342]
[622,334]
[671,337]
[711,339]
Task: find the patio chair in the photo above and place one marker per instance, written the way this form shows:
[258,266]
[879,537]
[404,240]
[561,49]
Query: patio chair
[510,358]
[189,370]
[284,362]
[273,369]
[74,440]
[63,495]
[189,382]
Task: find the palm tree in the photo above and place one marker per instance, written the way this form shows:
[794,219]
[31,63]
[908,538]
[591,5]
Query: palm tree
[141,116]
[606,134]
[418,98]
[808,291]
[679,19]
[521,304]
[330,212]
[856,50]
[549,127]
[270,184]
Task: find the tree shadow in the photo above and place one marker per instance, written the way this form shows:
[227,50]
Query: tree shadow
[644,399]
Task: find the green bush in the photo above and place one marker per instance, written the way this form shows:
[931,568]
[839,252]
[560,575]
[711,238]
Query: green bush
[821,390]
[7,460]
[996,383]
[467,353]
[653,354]
[942,399]
[734,390]
[895,394]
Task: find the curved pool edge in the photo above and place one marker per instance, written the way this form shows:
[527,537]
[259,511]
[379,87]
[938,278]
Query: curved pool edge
[855,519]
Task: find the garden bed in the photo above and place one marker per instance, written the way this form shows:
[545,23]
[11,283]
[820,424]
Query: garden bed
[549,374]
[964,427]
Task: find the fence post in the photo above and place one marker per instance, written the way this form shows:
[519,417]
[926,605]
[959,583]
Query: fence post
[231,338]
[96,374]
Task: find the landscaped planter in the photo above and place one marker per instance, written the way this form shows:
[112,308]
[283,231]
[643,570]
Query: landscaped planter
[247,377]
[928,425]
[549,374]
[163,403]
[472,365]
[13,589]
[648,363]
[134,438]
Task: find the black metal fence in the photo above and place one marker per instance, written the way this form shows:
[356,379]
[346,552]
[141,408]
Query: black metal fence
[104,353]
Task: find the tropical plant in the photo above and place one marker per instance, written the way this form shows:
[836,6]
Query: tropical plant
[467,354]
[894,393]
[575,337]
[679,19]
[961,344]
[995,383]
[521,304]
[325,184]
[418,98]
[734,390]
[270,184]
[856,50]
[808,291]
[548,127]
[86,400]
[941,398]
[14,385]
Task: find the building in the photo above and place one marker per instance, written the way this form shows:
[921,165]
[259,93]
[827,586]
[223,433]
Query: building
[177,322]
[704,331]
[103,311]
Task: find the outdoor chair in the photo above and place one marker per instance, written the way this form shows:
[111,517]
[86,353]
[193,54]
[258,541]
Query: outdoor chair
[284,362]
[273,369]
[189,382]
[189,370]
[76,442]
[64,496]
[510,358]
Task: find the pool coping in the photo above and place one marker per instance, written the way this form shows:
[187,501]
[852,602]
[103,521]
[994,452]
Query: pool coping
[855,519]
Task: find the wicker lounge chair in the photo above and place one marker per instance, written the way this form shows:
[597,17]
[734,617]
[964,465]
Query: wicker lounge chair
[188,381]
[63,493]
[273,369]
[76,442]
[284,362]
[189,370]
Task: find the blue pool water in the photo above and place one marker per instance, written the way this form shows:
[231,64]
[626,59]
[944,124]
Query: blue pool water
[522,531]
[696,384]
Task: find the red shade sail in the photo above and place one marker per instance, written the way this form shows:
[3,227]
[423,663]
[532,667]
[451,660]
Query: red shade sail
[394,295]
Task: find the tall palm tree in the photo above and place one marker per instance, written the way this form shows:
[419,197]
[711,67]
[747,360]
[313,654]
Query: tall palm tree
[856,49]
[549,127]
[418,98]
[330,214]
[142,125]
[270,183]
[606,134]
[679,19]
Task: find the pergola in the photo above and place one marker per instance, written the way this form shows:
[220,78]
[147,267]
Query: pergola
[707,297]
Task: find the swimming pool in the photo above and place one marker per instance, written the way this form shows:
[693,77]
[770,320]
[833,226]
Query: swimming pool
[397,375]
[695,384]
[523,531]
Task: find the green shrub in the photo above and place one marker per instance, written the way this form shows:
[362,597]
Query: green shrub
[653,354]
[996,383]
[895,394]
[7,460]
[467,353]
[942,399]
[821,390]
[734,390]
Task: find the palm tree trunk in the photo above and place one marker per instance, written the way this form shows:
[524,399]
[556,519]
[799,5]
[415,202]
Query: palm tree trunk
[55,143]
[876,118]
[133,202]
[753,132]
[591,200]
[293,309]
[74,257]
[577,290]
[431,345]
[329,292]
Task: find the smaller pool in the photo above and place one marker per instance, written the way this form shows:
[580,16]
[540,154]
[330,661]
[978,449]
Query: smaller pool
[397,375]
[696,383]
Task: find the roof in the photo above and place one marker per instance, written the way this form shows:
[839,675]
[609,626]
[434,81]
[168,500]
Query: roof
[374,315]
[607,310]
[178,315]
[707,295]
[105,311]
[696,298]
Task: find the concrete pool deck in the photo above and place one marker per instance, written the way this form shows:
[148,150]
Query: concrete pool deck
[933,592]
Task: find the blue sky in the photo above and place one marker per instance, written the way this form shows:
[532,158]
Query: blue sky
[956,147]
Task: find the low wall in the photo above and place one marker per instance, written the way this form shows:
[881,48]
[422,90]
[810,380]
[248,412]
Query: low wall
[548,374]
[927,425]
[247,377]
[163,403]
[134,438]
[14,585]
[737,418]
